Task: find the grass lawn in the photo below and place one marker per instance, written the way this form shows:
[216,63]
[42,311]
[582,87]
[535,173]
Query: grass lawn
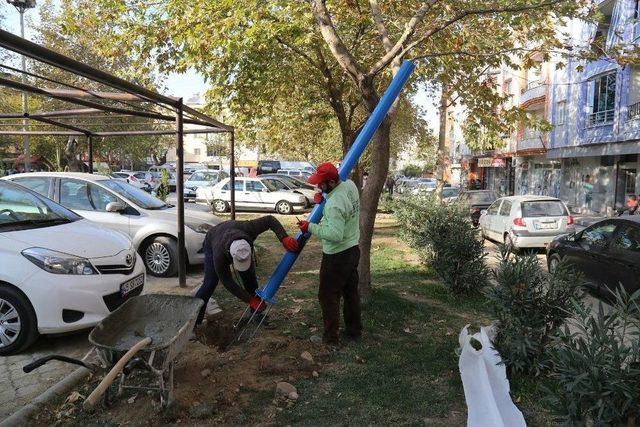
[404,371]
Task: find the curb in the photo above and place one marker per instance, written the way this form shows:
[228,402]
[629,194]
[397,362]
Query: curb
[20,417]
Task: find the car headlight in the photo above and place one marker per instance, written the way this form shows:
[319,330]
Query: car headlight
[199,228]
[59,262]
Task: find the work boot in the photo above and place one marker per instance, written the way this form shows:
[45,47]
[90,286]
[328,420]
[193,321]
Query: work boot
[347,337]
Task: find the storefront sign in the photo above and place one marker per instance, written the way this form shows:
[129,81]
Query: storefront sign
[492,162]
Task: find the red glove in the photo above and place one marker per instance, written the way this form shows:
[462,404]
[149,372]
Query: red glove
[317,198]
[257,304]
[290,243]
[304,226]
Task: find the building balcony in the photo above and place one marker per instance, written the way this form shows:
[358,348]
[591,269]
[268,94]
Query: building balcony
[600,118]
[532,141]
[633,111]
[535,92]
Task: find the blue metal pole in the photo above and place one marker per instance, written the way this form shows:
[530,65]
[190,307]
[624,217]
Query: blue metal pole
[347,165]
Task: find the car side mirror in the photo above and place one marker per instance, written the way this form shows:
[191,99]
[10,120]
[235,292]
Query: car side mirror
[265,190]
[574,237]
[115,207]
[483,212]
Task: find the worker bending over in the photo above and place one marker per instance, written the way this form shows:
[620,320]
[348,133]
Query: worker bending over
[339,232]
[231,242]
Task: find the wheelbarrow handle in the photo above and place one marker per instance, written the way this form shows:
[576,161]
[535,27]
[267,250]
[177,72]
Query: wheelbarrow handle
[108,379]
[39,362]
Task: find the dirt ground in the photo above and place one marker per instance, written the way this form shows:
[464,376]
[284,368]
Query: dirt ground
[217,379]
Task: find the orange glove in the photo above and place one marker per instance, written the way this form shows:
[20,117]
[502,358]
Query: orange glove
[257,304]
[290,243]
[317,198]
[304,226]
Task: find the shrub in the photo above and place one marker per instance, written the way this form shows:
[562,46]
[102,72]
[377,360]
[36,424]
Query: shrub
[163,189]
[596,366]
[445,239]
[530,306]
[386,203]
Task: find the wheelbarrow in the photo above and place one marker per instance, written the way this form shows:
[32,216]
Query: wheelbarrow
[146,333]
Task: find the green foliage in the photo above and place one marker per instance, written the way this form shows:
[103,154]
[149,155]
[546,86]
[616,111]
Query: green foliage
[530,306]
[412,171]
[163,189]
[445,240]
[596,365]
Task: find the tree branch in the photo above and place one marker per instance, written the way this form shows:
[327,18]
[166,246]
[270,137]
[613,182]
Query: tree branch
[298,51]
[382,30]
[333,40]
[399,52]
[410,28]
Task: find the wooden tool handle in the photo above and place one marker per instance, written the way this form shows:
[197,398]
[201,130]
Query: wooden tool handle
[113,373]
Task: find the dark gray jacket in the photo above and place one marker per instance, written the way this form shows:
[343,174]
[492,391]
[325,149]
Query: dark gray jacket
[220,237]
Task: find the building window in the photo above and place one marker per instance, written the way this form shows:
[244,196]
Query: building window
[636,20]
[560,112]
[196,151]
[601,98]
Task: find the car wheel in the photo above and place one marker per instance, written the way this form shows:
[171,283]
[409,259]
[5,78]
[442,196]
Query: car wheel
[554,261]
[18,323]
[161,257]
[220,206]
[284,208]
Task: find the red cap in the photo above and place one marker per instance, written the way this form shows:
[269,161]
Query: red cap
[325,172]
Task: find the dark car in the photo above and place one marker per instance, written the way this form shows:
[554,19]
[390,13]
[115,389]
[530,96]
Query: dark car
[606,253]
[477,201]
[268,166]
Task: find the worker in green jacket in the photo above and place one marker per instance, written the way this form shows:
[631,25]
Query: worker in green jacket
[339,232]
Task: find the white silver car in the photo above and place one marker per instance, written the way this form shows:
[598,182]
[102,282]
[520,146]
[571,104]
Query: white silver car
[60,272]
[201,178]
[137,179]
[151,223]
[294,184]
[526,221]
[252,194]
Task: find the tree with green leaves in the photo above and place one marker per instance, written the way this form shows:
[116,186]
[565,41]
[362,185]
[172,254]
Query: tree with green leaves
[327,60]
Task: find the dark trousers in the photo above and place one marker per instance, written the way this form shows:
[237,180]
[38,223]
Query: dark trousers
[339,278]
[210,281]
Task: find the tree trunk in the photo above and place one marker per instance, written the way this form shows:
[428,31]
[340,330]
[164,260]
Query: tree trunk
[370,196]
[443,154]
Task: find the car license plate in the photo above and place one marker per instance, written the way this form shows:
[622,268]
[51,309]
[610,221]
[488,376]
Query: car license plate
[546,225]
[127,287]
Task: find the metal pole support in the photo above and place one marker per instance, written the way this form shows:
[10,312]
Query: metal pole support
[182,265]
[90,149]
[232,173]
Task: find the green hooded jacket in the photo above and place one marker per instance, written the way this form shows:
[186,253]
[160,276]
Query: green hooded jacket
[339,228]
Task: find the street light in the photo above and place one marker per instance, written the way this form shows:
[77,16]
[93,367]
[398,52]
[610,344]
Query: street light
[22,6]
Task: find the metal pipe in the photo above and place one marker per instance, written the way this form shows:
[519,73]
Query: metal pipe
[347,165]
[25,103]
[48,56]
[90,148]
[40,132]
[60,124]
[232,173]
[182,267]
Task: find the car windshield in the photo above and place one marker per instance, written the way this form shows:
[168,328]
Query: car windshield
[22,209]
[137,196]
[543,208]
[482,197]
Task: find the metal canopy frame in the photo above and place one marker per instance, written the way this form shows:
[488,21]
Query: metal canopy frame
[121,99]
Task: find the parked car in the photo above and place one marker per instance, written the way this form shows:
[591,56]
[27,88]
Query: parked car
[201,178]
[253,194]
[606,253]
[405,186]
[268,166]
[423,187]
[295,185]
[477,201]
[59,272]
[450,194]
[141,180]
[526,221]
[299,173]
[157,173]
[150,222]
